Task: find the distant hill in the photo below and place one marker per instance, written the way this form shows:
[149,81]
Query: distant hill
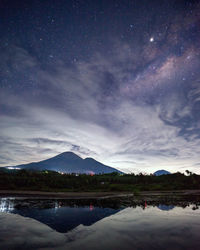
[69,162]
[161,172]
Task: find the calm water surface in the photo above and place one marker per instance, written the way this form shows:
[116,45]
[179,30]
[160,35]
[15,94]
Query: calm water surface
[89,227]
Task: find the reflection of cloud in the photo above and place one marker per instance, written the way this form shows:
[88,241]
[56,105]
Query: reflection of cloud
[134,229]
[17,232]
[131,228]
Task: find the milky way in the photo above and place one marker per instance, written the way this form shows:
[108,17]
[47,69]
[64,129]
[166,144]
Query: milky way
[118,81]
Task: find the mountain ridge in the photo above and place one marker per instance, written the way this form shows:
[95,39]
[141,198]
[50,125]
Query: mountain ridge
[69,162]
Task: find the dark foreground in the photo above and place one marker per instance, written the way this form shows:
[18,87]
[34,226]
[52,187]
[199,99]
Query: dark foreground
[49,181]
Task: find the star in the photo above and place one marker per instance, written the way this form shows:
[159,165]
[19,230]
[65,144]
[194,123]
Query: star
[122,74]
[151,39]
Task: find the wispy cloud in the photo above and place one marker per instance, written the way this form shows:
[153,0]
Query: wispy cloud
[98,108]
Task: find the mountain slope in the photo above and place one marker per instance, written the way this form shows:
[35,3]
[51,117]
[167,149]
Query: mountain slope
[69,162]
[161,172]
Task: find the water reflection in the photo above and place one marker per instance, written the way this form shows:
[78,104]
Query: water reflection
[6,205]
[55,214]
[165,207]
[130,228]
[136,228]
[52,224]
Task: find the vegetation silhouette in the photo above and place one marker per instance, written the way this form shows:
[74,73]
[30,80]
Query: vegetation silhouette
[54,181]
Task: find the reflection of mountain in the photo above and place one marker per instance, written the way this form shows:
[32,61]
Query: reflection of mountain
[63,219]
[58,217]
[131,228]
[165,207]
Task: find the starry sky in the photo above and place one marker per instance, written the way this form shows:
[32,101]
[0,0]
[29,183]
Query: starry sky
[115,80]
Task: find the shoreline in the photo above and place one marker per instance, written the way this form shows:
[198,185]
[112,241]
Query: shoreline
[95,195]
[115,200]
[64,195]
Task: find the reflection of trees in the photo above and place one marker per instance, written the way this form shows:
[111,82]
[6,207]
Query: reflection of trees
[163,203]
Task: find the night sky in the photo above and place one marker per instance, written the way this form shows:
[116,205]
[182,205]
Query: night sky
[115,80]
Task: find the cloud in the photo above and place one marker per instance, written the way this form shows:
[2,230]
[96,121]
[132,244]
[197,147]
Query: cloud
[117,109]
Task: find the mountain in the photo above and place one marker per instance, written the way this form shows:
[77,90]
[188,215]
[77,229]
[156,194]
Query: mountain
[69,162]
[161,172]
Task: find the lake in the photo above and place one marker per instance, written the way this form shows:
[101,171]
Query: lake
[58,224]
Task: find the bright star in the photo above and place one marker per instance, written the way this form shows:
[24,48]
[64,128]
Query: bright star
[151,39]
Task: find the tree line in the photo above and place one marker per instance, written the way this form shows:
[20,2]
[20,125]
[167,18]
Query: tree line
[53,181]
